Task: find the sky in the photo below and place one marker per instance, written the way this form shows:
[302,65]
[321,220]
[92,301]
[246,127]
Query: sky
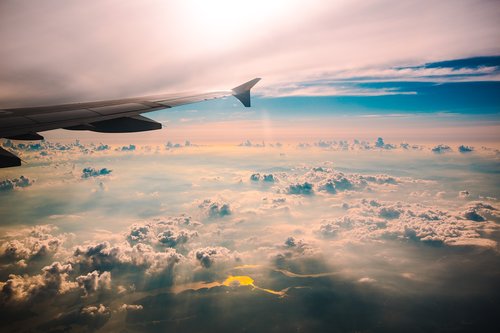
[345,58]
[358,193]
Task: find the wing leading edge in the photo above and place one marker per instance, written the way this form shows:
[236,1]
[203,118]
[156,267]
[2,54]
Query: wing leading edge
[112,116]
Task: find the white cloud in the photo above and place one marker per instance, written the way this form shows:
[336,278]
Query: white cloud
[104,256]
[38,242]
[51,282]
[429,224]
[208,256]
[215,208]
[131,307]
[93,281]
[15,183]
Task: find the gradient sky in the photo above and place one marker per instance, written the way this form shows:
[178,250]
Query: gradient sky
[359,193]
[422,66]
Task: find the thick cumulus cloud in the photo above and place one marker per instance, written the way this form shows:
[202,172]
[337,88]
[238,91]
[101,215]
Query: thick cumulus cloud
[266,178]
[304,188]
[480,211]
[93,282]
[85,271]
[307,181]
[38,242]
[169,232]
[439,149]
[208,256]
[215,208]
[465,149]
[15,183]
[104,256]
[91,172]
[51,282]
[375,220]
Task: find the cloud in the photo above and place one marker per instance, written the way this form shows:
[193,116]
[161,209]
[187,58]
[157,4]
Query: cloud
[172,238]
[102,147]
[366,280]
[38,242]
[479,212]
[381,144]
[105,257]
[92,282]
[329,229]
[301,189]
[463,194]
[51,282]
[442,149]
[131,307]
[385,220]
[215,209]
[368,81]
[208,256]
[187,143]
[249,143]
[127,148]
[95,311]
[297,245]
[168,232]
[91,172]
[371,204]
[465,149]
[266,178]
[389,213]
[330,181]
[15,183]
[140,233]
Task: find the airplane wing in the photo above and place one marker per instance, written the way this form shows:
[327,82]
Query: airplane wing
[113,116]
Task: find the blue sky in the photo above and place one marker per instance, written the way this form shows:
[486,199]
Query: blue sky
[458,99]
[451,91]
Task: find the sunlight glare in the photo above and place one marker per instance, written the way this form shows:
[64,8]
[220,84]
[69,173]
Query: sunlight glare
[222,24]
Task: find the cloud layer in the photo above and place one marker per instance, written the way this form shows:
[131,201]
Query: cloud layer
[297,220]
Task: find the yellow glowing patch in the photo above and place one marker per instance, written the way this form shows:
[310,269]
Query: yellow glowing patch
[231,281]
[241,280]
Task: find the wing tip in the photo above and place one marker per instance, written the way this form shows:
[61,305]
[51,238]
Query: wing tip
[242,92]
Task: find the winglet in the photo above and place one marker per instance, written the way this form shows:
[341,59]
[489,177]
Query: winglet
[242,92]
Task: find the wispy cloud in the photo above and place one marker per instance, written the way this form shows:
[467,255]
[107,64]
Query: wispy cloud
[367,81]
